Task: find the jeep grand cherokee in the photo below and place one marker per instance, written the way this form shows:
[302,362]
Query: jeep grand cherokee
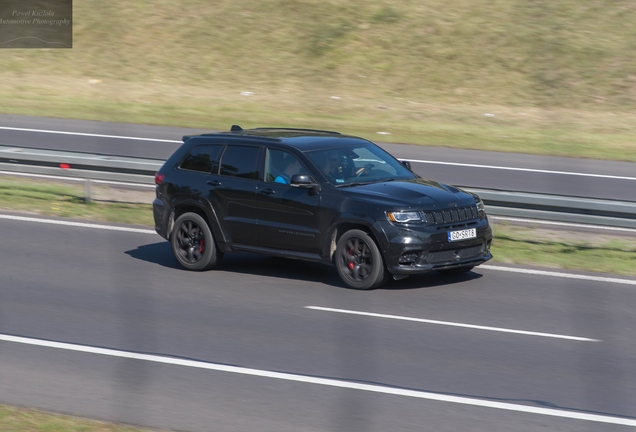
[318,196]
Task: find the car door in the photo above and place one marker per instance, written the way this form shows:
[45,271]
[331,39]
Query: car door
[287,216]
[232,193]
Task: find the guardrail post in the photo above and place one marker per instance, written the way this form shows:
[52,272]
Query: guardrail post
[88,191]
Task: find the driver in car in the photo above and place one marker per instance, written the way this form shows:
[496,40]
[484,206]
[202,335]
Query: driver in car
[330,166]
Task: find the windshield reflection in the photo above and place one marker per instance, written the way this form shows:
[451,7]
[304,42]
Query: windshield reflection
[353,166]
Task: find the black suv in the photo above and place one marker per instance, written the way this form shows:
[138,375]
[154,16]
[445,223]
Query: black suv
[318,196]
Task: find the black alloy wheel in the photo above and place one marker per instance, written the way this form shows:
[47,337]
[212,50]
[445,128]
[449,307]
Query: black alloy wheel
[359,261]
[193,244]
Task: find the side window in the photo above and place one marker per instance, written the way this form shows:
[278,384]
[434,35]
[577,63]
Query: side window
[280,166]
[203,158]
[240,161]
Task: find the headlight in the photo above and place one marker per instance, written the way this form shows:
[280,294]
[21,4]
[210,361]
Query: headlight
[404,216]
[480,206]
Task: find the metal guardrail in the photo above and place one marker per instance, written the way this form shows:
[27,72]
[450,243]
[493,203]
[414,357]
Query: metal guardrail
[139,171]
[558,208]
[76,166]
[79,162]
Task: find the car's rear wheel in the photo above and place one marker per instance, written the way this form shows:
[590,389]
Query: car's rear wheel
[359,261]
[193,244]
[456,270]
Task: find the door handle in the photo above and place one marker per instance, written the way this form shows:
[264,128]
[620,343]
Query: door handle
[268,191]
[214,182]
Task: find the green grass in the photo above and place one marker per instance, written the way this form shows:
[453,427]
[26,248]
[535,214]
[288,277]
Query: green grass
[563,250]
[560,77]
[14,419]
[68,201]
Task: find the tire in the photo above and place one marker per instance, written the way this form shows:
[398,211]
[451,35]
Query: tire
[456,270]
[193,244]
[358,261]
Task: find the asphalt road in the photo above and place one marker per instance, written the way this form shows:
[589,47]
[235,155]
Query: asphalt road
[103,323]
[478,169]
[237,349]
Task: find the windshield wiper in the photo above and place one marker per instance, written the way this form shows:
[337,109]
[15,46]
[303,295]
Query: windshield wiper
[365,183]
[353,184]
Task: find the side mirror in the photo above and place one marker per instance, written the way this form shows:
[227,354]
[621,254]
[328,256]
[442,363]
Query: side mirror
[302,181]
[407,164]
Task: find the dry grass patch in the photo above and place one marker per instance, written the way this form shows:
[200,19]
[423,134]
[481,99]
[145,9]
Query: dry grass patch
[13,419]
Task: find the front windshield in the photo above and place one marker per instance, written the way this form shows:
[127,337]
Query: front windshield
[358,165]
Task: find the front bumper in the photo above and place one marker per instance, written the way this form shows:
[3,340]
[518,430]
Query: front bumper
[420,250]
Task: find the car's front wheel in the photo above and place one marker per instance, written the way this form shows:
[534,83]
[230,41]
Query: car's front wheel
[193,244]
[359,261]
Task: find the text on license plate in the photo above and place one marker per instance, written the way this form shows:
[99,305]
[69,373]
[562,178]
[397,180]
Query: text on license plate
[462,235]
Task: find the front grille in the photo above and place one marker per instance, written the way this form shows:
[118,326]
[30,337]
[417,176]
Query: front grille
[462,214]
[453,255]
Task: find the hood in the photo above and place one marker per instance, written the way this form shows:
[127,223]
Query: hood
[415,193]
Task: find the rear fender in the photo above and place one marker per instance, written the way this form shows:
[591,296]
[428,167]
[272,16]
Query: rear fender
[200,207]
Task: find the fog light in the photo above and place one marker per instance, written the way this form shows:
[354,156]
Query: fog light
[407,258]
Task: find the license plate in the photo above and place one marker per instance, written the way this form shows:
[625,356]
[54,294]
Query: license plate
[462,235]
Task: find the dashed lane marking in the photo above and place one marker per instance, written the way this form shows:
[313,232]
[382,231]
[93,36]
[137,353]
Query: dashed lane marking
[452,324]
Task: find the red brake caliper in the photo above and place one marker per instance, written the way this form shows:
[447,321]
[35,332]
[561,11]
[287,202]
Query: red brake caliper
[201,244]
[351,265]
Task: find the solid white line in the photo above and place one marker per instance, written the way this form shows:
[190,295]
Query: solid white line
[324,381]
[483,266]
[558,274]
[452,324]
[13,173]
[521,169]
[89,134]
[410,160]
[77,224]
[573,225]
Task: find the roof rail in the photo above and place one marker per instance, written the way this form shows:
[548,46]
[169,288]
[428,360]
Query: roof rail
[298,129]
[225,135]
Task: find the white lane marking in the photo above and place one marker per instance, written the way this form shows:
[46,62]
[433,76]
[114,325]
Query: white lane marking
[542,171]
[77,224]
[484,266]
[558,274]
[323,381]
[452,324]
[89,134]
[574,225]
[410,160]
[13,173]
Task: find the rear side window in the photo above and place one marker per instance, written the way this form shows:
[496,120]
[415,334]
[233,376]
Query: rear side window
[240,161]
[203,158]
